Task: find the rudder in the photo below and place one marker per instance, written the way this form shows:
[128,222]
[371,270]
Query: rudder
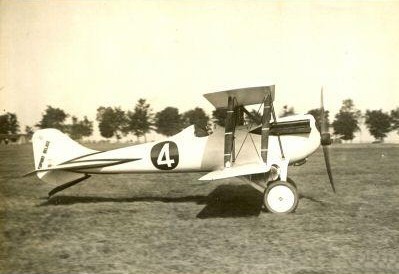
[52,147]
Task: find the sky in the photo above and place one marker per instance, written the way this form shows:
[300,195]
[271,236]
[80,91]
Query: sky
[81,54]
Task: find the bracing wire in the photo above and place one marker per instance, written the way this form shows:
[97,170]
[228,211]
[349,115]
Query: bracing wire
[249,127]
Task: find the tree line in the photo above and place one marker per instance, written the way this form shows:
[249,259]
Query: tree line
[116,122]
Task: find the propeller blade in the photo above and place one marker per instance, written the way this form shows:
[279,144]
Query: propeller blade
[325,140]
[323,122]
[326,154]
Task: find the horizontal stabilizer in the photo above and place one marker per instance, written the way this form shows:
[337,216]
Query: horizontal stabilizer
[243,96]
[234,171]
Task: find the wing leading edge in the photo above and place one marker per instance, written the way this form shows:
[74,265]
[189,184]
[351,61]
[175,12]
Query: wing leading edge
[235,171]
[243,96]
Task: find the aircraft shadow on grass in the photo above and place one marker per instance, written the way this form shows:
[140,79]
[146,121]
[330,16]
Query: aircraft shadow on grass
[224,201]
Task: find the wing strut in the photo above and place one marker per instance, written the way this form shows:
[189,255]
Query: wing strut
[236,100]
[267,104]
[278,135]
[229,133]
[268,110]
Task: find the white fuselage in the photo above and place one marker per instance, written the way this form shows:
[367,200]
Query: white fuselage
[184,152]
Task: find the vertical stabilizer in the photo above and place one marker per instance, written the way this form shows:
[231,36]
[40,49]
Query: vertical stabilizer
[52,147]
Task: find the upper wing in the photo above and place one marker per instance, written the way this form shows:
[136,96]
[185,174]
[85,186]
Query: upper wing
[234,171]
[244,96]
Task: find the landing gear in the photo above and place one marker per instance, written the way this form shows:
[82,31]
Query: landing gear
[280,193]
[281,197]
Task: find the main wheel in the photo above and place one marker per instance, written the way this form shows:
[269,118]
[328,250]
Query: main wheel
[281,197]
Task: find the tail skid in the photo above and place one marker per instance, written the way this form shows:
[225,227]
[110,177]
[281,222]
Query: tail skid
[67,185]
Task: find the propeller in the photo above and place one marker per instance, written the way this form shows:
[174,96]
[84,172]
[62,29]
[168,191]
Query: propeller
[325,140]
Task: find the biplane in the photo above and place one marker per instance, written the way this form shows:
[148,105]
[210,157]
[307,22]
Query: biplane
[258,152]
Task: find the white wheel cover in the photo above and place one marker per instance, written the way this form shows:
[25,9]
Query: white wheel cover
[281,198]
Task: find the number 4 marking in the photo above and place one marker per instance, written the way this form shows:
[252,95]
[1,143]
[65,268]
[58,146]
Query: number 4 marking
[164,156]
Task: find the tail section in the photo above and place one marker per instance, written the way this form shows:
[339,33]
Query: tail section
[51,147]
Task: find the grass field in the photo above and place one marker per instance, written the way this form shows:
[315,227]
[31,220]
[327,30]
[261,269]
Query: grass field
[176,224]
